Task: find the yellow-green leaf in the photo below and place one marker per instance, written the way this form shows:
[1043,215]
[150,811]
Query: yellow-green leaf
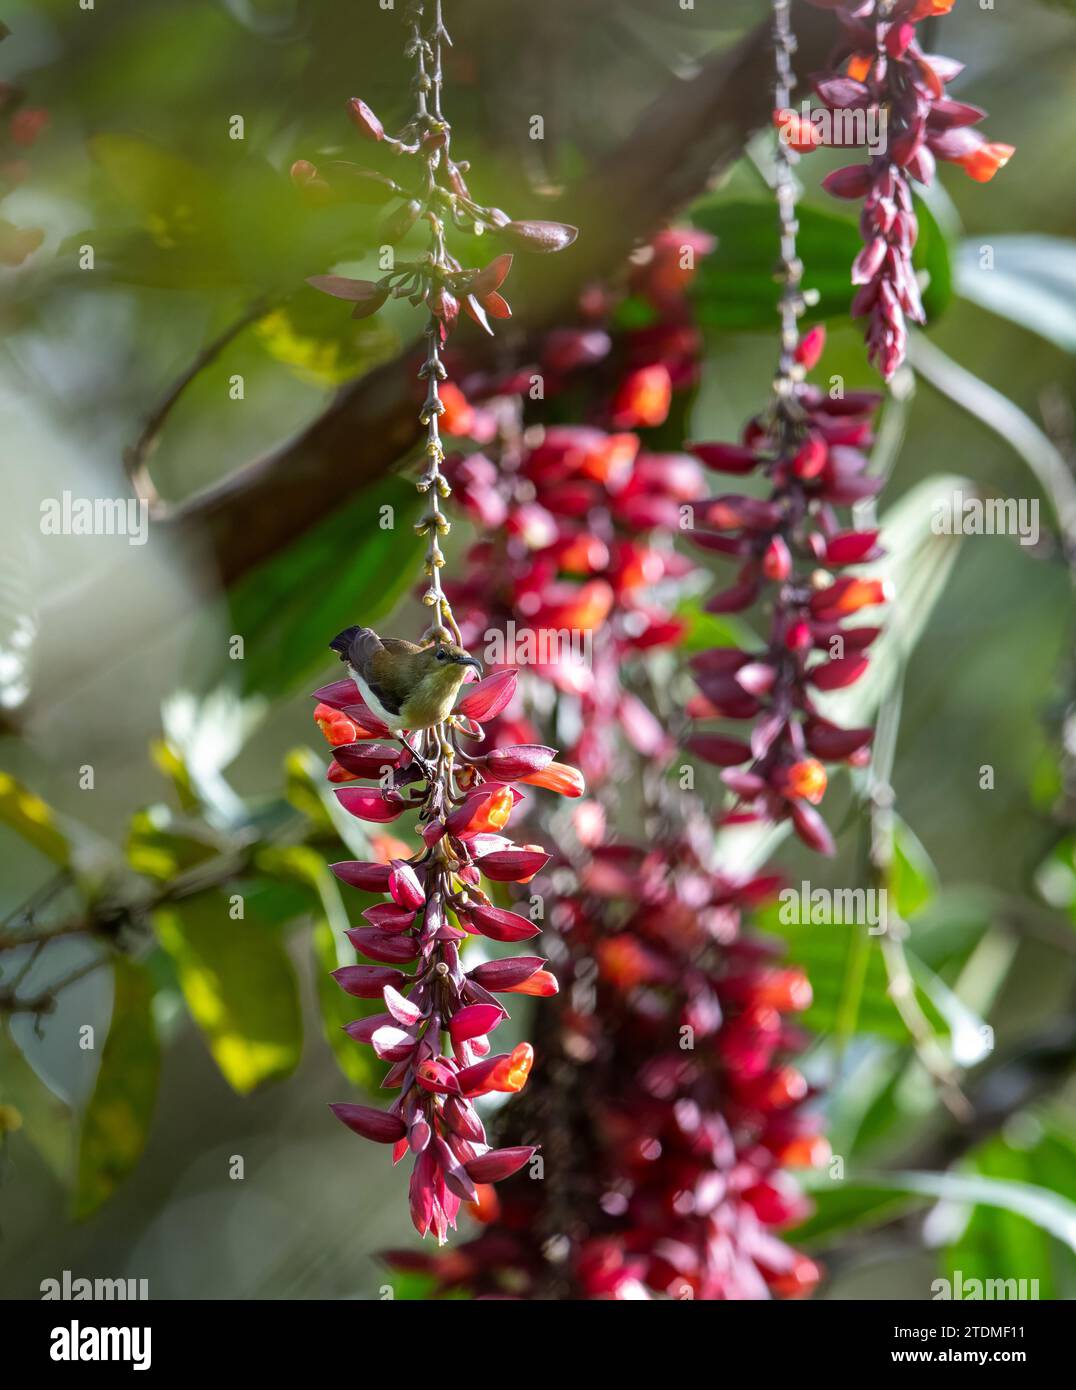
[332,949]
[42,1116]
[34,820]
[239,985]
[117,1120]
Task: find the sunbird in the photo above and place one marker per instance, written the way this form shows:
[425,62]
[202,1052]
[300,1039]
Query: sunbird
[406,685]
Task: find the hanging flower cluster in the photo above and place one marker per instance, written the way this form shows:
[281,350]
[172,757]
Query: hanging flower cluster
[684,1106]
[429,185]
[879,67]
[669,1107]
[464,801]
[435,901]
[584,516]
[793,553]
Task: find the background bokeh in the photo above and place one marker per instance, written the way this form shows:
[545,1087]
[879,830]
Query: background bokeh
[189,228]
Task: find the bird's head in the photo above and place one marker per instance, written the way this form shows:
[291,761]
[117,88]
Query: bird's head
[447,662]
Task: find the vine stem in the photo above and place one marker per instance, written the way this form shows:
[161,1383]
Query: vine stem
[791,304]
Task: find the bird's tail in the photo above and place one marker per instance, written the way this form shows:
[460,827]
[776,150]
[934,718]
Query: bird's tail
[342,641]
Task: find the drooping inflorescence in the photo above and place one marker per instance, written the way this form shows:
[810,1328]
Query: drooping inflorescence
[791,550]
[438,1017]
[881,70]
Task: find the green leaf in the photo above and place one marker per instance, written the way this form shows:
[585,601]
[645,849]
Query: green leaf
[171,763]
[1003,1244]
[705,630]
[332,949]
[847,973]
[156,849]
[913,879]
[116,1122]
[35,821]
[1031,281]
[735,287]
[208,732]
[240,987]
[1048,1210]
[994,409]
[1055,877]
[309,791]
[320,344]
[843,1206]
[345,568]
[932,255]
[41,1115]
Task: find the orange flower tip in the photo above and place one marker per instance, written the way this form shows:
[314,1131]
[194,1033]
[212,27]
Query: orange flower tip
[559,778]
[808,1151]
[859,66]
[486,1208]
[387,847]
[541,985]
[498,811]
[789,991]
[807,779]
[798,134]
[512,1074]
[803,1276]
[930,9]
[786,1087]
[984,162]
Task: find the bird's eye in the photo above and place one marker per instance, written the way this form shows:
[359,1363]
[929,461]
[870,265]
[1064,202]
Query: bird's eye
[441,654]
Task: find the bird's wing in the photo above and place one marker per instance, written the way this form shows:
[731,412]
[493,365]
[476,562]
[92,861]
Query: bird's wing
[372,659]
[364,646]
[398,646]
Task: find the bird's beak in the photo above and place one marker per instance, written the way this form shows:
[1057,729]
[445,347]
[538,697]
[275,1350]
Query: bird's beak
[471,661]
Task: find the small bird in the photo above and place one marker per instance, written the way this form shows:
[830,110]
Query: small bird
[405,685]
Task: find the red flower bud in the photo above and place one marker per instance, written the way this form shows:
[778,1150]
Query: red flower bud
[407,892]
[367,981]
[499,1163]
[368,805]
[509,764]
[498,923]
[390,917]
[364,120]
[513,865]
[810,347]
[852,181]
[506,974]
[473,1021]
[487,698]
[726,458]
[538,236]
[378,1125]
[370,877]
[384,946]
